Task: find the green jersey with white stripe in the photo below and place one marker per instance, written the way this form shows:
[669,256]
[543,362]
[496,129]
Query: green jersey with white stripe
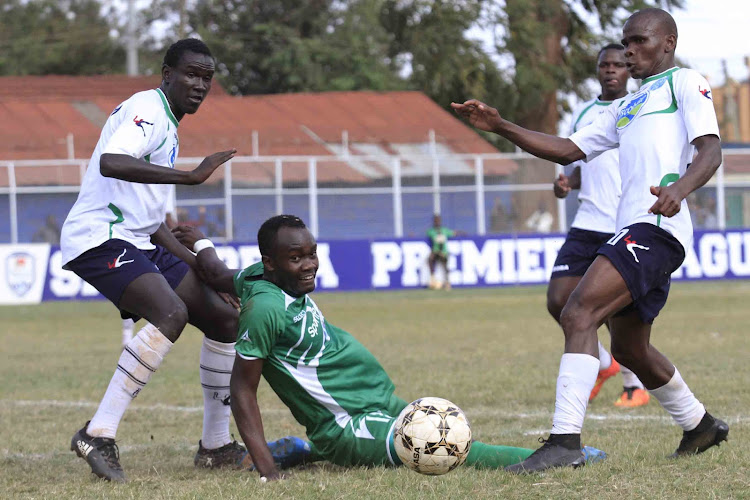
[322,373]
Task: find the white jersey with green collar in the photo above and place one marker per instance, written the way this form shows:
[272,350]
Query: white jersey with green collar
[600,189]
[143,127]
[320,372]
[654,128]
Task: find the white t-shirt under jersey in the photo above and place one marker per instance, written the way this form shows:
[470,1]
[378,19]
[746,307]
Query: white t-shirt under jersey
[654,128]
[600,178]
[144,128]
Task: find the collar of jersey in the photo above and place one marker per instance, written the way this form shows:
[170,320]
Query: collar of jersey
[167,108]
[600,102]
[660,75]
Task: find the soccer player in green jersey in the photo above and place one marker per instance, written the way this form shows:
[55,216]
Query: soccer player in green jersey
[331,383]
[438,236]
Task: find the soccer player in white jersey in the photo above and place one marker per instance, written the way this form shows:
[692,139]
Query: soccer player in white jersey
[668,125]
[115,239]
[594,223]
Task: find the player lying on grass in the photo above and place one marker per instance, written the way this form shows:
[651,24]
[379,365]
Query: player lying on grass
[332,384]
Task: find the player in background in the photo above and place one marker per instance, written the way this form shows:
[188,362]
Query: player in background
[438,236]
[594,223]
[331,383]
[170,220]
[668,124]
[115,239]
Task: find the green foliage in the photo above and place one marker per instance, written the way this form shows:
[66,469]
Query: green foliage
[69,37]
[555,50]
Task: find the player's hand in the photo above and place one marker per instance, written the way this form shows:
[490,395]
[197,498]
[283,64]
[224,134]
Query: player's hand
[478,114]
[669,200]
[561,186]
[209,164]
[229,299]
[187,235]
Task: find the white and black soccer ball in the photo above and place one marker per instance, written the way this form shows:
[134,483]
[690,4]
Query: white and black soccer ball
[432,436]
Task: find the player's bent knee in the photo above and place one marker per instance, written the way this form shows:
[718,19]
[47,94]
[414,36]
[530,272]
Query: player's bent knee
[172,320]
[574,318]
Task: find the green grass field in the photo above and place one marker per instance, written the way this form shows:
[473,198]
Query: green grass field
[494,352]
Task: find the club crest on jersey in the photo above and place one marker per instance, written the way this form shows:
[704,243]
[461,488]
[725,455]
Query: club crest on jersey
[19,267]
[140,122]
[631,109]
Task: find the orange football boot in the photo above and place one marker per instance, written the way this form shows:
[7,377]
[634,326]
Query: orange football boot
[633,397]
[613,370]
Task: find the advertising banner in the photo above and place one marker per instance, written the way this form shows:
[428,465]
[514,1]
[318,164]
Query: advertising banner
[32,273]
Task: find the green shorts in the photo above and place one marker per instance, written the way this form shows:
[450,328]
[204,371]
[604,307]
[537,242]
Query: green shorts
[366,440]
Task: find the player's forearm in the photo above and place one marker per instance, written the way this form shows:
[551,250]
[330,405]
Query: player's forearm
[703,167]
[164,237]
[250,425]
[127,168]
[574,181]
[545,146]
[214,272]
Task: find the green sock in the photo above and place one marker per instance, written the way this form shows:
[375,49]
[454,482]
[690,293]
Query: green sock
[314,455]
[488,456]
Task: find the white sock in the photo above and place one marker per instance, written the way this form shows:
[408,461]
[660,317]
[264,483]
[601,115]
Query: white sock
[605,359]
[629,379]
[127,331]
[217,359]
[677,398]
[574,383]
[139,360]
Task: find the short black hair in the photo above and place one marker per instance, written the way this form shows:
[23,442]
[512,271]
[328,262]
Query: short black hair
[175,51]
[611,46]
[269,229]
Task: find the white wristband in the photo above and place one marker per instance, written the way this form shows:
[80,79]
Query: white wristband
[202,245]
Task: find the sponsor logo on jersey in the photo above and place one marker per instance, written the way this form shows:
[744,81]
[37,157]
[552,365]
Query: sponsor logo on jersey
[631,109]
[561,267]
[19,275]
[117,262]
[140,122]
[705,92]
[299,316]
[631,245]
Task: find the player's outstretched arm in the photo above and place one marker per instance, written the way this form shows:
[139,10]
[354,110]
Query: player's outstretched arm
[545,146]
[243,389]
[211,268]
[128,168]
[703,167]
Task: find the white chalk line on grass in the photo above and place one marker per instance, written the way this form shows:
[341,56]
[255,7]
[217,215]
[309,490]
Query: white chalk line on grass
[476,412]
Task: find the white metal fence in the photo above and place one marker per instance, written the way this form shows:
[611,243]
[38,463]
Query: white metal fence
[404,185]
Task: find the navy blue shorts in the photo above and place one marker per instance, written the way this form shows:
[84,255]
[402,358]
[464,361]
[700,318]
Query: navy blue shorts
[114,264]
[578,252]
[645,256]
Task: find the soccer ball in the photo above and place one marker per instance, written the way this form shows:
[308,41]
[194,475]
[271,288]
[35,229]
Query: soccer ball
[432,436]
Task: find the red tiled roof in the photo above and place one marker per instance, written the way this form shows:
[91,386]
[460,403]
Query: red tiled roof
[69,88]
[37,113]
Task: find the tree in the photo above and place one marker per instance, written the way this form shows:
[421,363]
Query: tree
[70,37]
[554,49]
